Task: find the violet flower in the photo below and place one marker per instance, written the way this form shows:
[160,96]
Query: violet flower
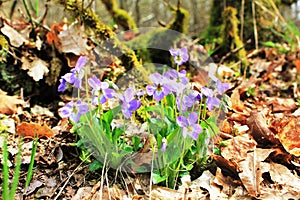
[101,91]
[221,87]
[212,100]
[178,80]
[163,145]
[74,110]
[77,73]
[187,100]
[180,55]
[189,125]
[128,101]
[74,77]
[160,88]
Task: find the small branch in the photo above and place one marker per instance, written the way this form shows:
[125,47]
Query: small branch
[233,51]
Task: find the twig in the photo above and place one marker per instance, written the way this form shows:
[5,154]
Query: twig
[233,51]
[254,25]
[68,179]
[242,19]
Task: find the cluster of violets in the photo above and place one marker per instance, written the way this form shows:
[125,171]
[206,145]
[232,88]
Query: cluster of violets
[171,82]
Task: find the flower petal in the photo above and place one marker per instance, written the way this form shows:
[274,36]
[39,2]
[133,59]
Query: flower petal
[80,62]
[182,121]
[192,118]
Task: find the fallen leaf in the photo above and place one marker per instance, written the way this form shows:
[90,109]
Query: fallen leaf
[36,69]
[9,104]
[73,40]
[33,186]
[259,129]
[237,104]
[281,104]
[34,129]
[15,38]
[288,132]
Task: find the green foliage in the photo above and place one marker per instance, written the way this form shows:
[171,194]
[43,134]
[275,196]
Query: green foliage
[9,190]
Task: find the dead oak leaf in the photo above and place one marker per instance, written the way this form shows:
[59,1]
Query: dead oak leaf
[73,40]
[9,104]
[34,129]
[15,38]
[288,132]
[36,69]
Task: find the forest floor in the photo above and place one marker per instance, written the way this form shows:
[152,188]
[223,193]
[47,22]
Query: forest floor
[261,158]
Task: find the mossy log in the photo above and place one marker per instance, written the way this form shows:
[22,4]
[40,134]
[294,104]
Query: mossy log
[120,16]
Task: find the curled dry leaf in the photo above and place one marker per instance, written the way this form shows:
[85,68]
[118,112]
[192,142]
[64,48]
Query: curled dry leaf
[34,129]
[288,132]
[36,69]
[281,104]
[237,104]
[259,129]
[15,38]
[9,104]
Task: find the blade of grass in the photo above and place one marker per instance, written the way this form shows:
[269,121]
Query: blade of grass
[16,177]
[30,169]
[5,188]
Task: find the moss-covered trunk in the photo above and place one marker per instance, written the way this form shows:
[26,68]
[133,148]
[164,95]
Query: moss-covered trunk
[261,20]
[120,16]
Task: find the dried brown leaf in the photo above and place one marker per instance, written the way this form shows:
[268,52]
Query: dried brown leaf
[288,132]
[73,40]
[15,38]
[259,129]
[9,104]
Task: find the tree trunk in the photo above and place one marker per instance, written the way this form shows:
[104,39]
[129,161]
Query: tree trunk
[252,22]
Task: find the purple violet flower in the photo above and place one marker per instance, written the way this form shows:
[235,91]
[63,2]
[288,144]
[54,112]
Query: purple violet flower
[160,88]
[180,55]
[128,101]
[189,125]
[74,110]
[74,77]
[212,100]
[187,100]
[100,91]
[78,72]
[178,80]
[63,85]
[221,87]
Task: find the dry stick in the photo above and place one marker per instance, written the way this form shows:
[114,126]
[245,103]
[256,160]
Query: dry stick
[254,25]
[242,19]
[98,185]
[68,179]
[233,51]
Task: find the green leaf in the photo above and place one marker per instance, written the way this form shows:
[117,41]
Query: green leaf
[95,165]
[108,117]
[117,132]
[157,178]
[136,142]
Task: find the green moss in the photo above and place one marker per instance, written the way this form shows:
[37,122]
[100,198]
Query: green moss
[180,22]
[230,36]
[161,39]
[103,32]
[120,16]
